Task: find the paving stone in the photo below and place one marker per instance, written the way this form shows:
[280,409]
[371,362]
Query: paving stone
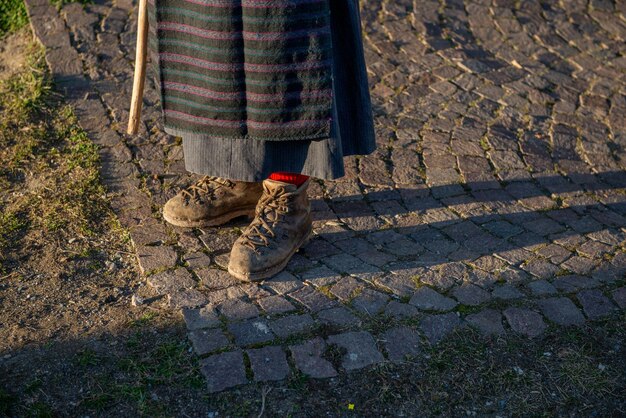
[401,342]
[542,288]
[469,294]
[319,248]
[524,321]
[213,278]
[339,316]
[400,310]
[224,370]
[219,239]
[234,309]
[204,317]
[222,260]
[541,268]
[320,276]
[253,291]
[308,359]
[595,304]
[506,292]
[436,327]
[370,301]
[187,299]
[312,299]
[292,325]
[197,260]
[268,363]
[574,282]
[171,281]
[439,279]
[275,305]
[398,284]
[252,331]
[561,311]
[361,349]
[156,258]
[345,263]
[579,265]
[428,299]
[487,321]
[284,282]
[205,341]
[346,288]
[619,296]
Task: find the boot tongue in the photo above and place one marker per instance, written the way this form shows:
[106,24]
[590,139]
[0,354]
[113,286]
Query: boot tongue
[271,185]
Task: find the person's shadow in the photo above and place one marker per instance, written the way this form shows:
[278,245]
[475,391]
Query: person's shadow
[408,231]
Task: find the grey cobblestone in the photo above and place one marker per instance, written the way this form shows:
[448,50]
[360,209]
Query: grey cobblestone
[187,299]
[466,205]
[561,311]
[208,340]
[234,309]
[339,316]
[525,321]
[268,363]
[308,359]
[275,305]
[542,288]
[488,321]
[172,281]
[252,331]
[506,292]
[199,318]
[360,349]
[436,327]
[427,299]
[224,370]
[156,258]
[619,296]
[400,310]
[292,324]
[401,342]
[469,294]
[370,302]
[595,304]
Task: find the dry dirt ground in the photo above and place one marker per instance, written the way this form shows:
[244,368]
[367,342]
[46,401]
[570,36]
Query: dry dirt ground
[72,343]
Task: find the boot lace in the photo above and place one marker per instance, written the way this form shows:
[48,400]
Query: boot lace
[205,187]
[271,206]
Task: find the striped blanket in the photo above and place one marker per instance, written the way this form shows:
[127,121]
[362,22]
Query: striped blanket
[258,69]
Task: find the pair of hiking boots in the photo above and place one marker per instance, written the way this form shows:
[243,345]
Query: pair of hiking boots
[281,225]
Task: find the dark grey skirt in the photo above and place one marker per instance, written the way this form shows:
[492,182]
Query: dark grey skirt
[352,132]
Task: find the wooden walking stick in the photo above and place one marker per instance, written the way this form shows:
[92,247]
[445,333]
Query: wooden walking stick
[140,68]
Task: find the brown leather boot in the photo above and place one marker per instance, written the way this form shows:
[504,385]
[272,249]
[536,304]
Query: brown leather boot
[212,201]
[281,226]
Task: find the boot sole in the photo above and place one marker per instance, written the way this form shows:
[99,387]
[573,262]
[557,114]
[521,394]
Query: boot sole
[219,220]
[272,271]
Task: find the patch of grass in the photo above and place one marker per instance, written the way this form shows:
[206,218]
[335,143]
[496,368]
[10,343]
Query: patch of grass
[40,410]
[10,225]
[87,358]
[12,16]
[7,402]
[48,166]
[467,309]
[132,378]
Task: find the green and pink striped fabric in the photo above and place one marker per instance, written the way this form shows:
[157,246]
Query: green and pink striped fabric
[257,69]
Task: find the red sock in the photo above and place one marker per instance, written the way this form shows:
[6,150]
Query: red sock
[292,178]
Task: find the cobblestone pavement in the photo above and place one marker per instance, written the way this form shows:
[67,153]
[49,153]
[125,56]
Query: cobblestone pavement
[496,198]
